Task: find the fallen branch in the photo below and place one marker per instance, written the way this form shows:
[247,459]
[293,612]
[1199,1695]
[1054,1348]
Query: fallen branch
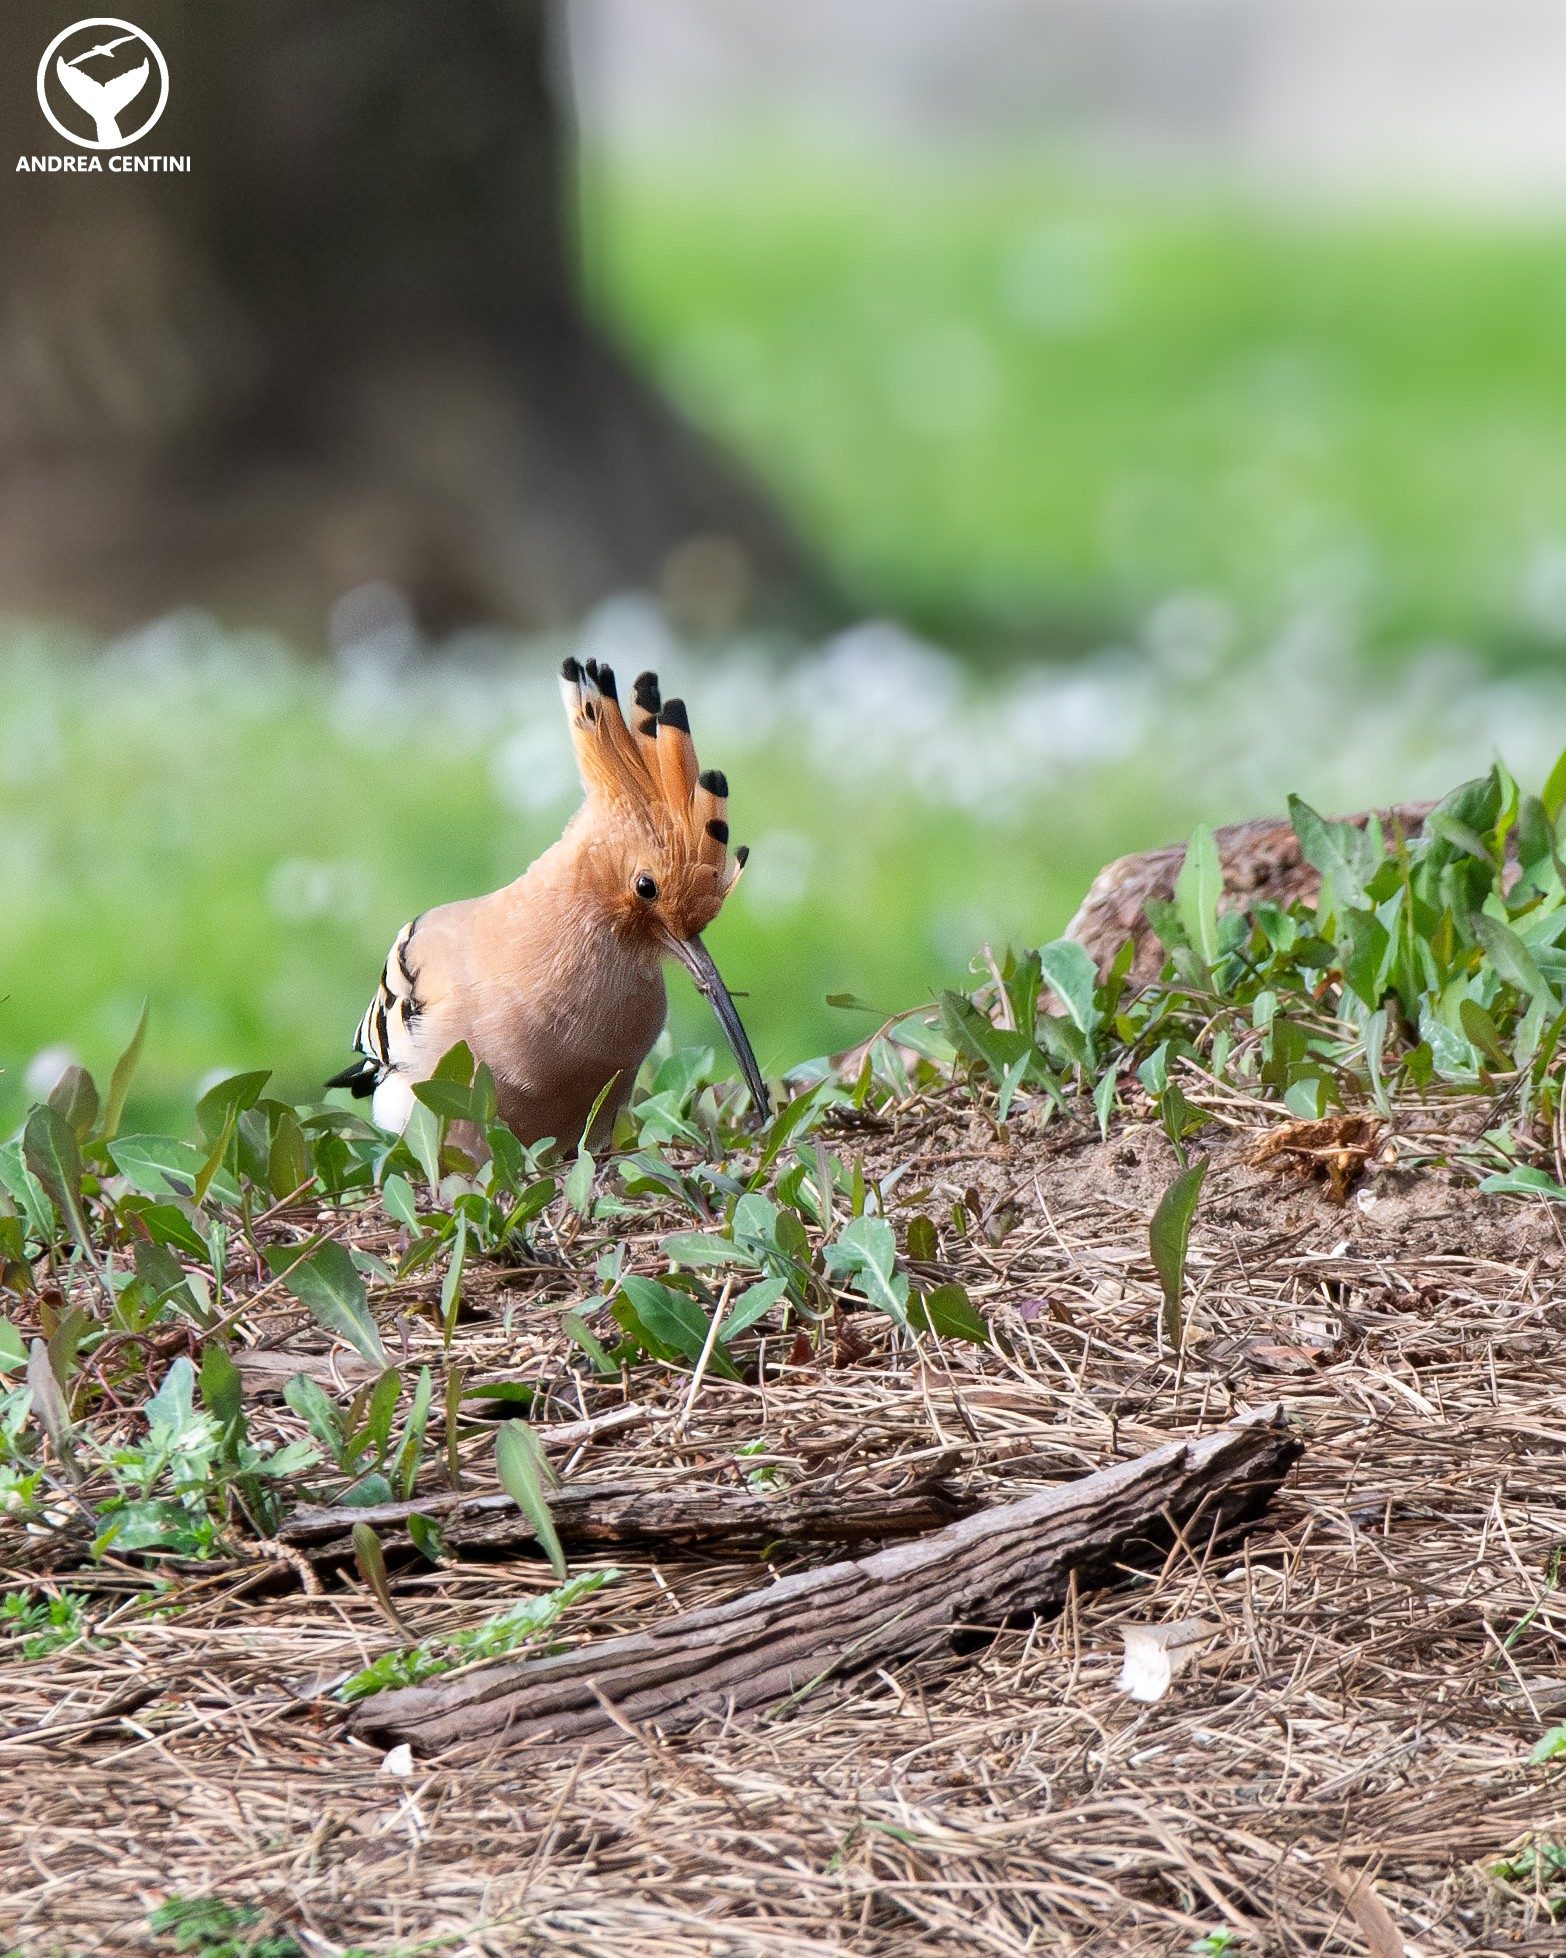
[780,1641]
[706,1516]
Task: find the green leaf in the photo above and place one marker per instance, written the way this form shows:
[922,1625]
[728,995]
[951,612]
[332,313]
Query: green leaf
[222,1391]
[49,1148]
[1198,889]
[579,1182]
[13,1348]
[222,1105]
[375,1434]
[1553,794]
[456,1064]
[160,1166]
[164,1277]
[675,1321]
[120,1079]
[1169,1237]
[397,1200]
[923,1249]
[289,1167]
[326,1281]
[1463,839]
[53,1414]
[949,1311]
[866,1251]
[427,1538]
[524,1475]
[451,1284]
[1523,1181]
[752,1304]
[65,1342]
[1336,850]
[1480,1027]
[166,1224]
[406,1468]
[421,1137]
[75,1097]
[451,1100]
[455,1376]
[1549,1747]
[371,1559]
[1071,974]
[316,1408]
[1512,959]
[574,1326]
[697,1249]
[1104,1100]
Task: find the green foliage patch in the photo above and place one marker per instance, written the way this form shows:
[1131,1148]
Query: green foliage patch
[134,1264]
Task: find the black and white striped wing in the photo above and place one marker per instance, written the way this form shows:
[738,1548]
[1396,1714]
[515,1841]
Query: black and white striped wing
[384,1039]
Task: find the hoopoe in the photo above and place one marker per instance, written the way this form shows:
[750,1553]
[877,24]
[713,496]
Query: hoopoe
[556,981]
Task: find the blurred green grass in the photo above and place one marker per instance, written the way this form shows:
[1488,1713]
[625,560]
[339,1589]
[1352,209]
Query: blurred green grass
[197,819]
[237,837]
[1007,406]
[1267,458]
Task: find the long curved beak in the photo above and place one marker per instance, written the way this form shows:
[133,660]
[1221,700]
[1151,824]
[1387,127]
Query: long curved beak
[697,961]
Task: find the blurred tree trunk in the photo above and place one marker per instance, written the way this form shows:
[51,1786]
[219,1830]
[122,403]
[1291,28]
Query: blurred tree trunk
[347,347]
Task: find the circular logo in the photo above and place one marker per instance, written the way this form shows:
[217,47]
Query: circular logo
[103,83]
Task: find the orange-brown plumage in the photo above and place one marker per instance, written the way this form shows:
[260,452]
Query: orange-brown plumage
[556,981]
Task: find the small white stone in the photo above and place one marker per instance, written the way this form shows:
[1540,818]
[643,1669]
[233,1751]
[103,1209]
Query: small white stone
[399,1762]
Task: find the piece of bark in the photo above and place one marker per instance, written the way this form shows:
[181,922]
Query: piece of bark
[785,1638]
[1261,864]
[268,1369]
[705,1516]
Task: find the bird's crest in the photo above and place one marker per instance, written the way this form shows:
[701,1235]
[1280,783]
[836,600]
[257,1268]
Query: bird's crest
[647,766]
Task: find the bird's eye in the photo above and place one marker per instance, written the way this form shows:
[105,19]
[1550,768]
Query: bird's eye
[646,889]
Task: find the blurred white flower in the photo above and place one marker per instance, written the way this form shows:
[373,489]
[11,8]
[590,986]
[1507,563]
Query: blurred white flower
[1544,588]
[1190,633]
[1062,278]
[777,878]
[940,380]
[303,888]
[535,769]
[45,1069]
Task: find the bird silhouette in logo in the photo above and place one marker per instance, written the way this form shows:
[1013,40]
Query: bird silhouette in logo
[102,101]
